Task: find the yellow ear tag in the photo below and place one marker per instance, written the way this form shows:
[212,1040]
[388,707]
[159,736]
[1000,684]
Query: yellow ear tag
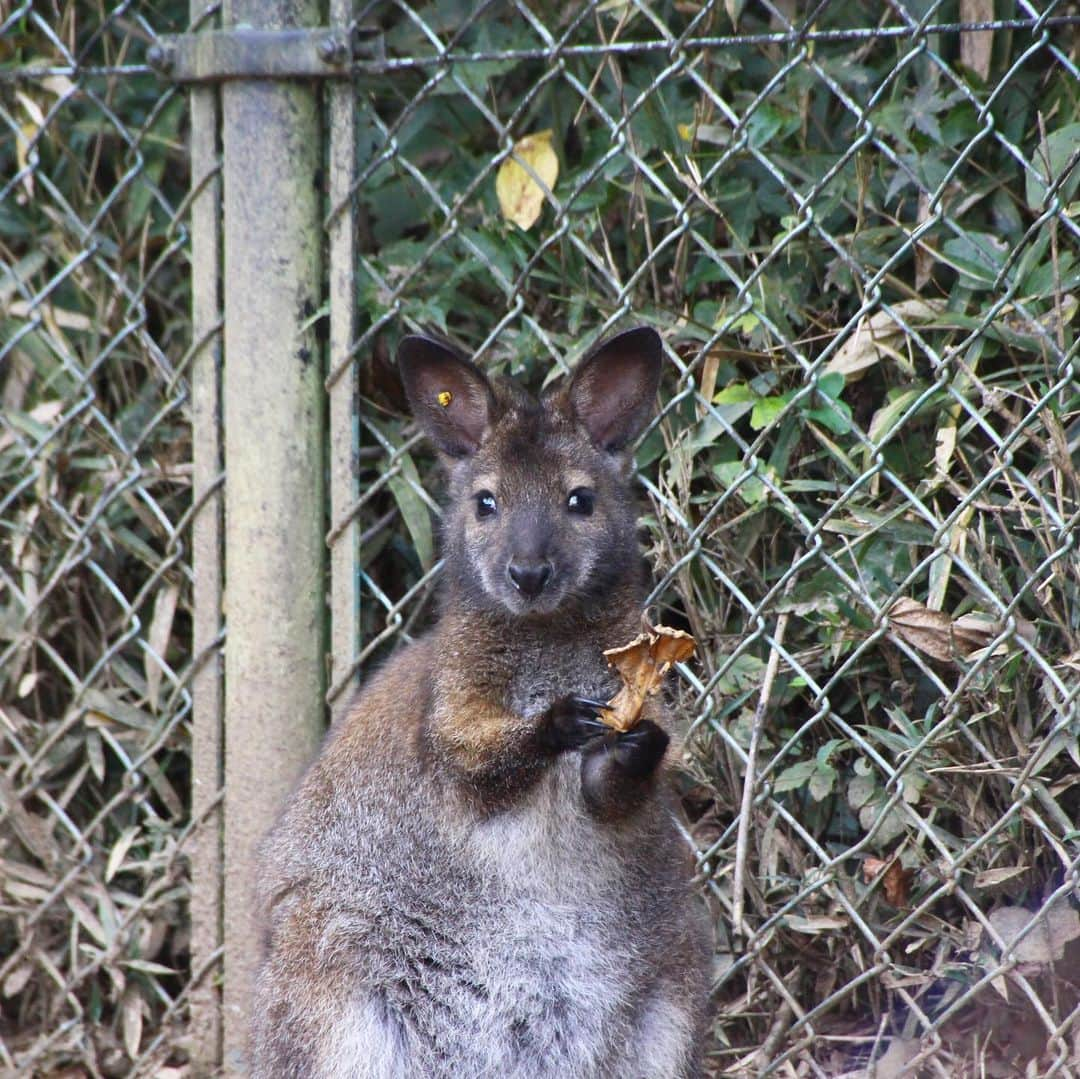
[445,398]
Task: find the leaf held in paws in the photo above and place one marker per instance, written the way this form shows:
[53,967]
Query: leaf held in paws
[642,665]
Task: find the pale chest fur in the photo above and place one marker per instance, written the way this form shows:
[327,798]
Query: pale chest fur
[535,970]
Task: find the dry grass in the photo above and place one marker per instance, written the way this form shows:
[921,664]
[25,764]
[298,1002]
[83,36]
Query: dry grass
[94,576]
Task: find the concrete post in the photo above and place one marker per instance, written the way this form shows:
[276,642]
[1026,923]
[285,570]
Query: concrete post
[274,464]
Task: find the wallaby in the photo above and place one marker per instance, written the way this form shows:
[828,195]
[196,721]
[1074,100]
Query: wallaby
[478,879]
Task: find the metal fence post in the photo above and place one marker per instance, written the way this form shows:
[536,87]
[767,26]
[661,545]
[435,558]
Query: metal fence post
[341,382]
[274,533]
[205,851]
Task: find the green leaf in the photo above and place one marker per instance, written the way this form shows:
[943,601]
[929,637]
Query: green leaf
[836,417]
[977,256]
[822,782]
[767,409]
[860,790]
[751,490]
[831,385]
[742,674]
[794,776]
[735,394]
[405,486]
[1059,148]
[923,109]
[884,421]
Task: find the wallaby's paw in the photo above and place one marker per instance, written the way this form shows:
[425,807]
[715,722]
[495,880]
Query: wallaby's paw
[572,722]
[615,769]
[639,750]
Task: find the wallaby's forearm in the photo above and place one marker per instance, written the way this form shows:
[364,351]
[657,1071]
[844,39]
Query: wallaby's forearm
[497,755]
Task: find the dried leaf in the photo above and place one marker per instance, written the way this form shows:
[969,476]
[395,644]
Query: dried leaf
[132,1021]
[158,638]
[16,981]
[86,917]
[938,634]
[1045,943]
[894,1061]
[924,255]
[27,683]
[895,879]
[815,923]
[119,851]
[990,878]
[879,336]
[642,665]
[977,47]
[521,198]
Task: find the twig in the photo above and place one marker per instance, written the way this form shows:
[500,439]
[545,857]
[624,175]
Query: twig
[750,779]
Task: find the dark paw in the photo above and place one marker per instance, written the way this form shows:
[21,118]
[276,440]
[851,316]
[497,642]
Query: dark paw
[616,770]
[635,752]
[572,722]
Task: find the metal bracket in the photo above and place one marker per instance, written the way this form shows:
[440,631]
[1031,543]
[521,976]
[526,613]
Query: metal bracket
[217,55]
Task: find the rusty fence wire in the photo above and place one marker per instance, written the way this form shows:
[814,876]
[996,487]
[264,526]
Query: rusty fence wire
[856,227]
[95,567]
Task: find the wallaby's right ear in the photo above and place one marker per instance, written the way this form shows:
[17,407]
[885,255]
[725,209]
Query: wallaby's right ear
[450,397]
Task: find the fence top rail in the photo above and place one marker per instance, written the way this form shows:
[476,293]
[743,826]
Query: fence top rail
[325,65]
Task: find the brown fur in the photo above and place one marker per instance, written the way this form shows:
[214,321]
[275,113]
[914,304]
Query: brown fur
[471,880]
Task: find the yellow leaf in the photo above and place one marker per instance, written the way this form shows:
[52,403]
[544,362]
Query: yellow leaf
[521,198]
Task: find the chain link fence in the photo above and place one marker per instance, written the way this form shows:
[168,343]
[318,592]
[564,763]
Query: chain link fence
[856,229]
[95,570]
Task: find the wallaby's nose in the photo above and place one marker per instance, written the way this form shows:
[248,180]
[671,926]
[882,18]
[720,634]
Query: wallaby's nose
[529,578]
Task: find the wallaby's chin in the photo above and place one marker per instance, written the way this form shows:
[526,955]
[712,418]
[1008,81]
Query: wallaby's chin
[533,606]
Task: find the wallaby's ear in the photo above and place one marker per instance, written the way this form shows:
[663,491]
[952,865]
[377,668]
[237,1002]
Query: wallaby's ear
[450,397]
[613,390]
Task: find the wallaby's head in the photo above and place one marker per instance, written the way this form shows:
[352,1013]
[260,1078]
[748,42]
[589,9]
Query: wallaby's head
[541,516]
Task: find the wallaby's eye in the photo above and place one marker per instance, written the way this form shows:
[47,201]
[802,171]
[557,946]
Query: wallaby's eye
[581,501]
[485,504]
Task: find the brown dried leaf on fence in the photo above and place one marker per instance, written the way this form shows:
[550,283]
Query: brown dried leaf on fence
[943,637]
[895,879]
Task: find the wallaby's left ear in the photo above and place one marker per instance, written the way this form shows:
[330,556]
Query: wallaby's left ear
[613,390]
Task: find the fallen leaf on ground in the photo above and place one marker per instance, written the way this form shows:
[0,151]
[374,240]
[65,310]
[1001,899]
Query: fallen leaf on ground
[881,335]
[894,1061]
[642,665]
[943,637]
